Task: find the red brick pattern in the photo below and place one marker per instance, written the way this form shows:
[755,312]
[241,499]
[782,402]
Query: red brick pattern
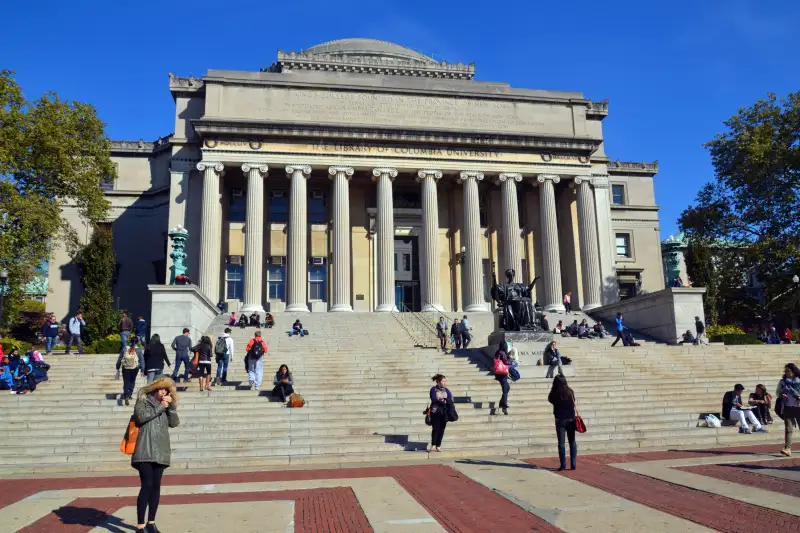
[748,474]
[709,510]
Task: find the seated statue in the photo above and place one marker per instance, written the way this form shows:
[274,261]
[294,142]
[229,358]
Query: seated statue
[515,300]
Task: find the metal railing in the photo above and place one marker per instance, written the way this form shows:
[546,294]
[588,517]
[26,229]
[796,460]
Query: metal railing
[415,324]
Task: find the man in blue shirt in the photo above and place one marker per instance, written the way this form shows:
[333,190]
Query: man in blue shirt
[620,328]
[50,334]
[141,330]
[74,332]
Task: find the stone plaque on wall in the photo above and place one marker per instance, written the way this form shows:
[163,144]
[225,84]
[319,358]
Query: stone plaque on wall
[401,110]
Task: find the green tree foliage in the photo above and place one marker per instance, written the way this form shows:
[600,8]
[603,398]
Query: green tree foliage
[98,264]
[52,153]
[748,216]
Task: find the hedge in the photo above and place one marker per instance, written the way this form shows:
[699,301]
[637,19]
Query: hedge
[106,346]
[737,338]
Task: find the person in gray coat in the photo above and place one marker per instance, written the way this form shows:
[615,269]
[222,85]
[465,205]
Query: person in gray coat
[155,413]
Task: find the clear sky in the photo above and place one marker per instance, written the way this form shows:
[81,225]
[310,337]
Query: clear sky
[672,70]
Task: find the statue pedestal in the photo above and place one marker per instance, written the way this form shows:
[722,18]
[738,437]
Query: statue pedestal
[530,346]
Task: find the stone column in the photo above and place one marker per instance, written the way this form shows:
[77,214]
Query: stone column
[473,262]
[340,273]
[512,252]
[385,236]
[429,241]
[590,257]
[551,256]
[210,231]
[297,249]
[254,238]
[605,234]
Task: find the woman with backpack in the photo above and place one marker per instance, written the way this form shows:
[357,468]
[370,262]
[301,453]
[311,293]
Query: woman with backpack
[441,398]
[130,363]
[788,394]
[501,365]
[155,413]
[563,400]
[203,358]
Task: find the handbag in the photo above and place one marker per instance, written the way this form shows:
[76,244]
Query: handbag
[500,368]
[580,425]
[295,400]
[128,444]
[427,413]
[779,407]
[196,359]
[452,414]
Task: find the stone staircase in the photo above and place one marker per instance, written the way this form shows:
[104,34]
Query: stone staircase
[366,386]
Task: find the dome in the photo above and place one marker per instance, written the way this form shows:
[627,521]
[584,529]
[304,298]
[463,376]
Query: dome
[367,48]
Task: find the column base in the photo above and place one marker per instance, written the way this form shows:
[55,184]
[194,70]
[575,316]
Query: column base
[432,308]
[476,308]
[386,308]
[296,308]
[252,308]
[341,308]
[589,307]
[555,308]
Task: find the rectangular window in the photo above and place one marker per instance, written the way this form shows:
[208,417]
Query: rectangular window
[316,283]
[278,207]
[407,262]
[276,275]
[317,210]
[618,194]
[623,245]
[234,278]
[237,206]
[482,212]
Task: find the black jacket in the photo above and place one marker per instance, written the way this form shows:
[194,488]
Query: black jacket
[727,404]
[563,409]
[155,355]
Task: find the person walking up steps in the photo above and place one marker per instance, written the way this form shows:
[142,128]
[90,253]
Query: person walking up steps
[130,364]
[256,349]
[223,351]
[620,328]
[789,394]
[155,413]
[74,333]
[440,398]
[501,364]
[563,400]
[155,355]
[203,351]
[125,327]
[182,344]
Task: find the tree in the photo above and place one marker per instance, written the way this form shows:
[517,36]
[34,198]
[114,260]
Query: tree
[98,265]
[52,153]
[749,214]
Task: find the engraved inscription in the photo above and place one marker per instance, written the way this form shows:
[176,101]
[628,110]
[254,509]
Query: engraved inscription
[339,107]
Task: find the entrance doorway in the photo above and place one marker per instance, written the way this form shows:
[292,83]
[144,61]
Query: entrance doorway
[406,274]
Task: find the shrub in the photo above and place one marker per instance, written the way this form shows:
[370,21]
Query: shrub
[32,305]
[106,346]
[113,337]
[737,338]
[719,330]
[796,335]
[98,265]
[29,325]
[9,344]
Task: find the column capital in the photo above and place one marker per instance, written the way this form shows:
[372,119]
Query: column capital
[202,165]
[467,174]
[541,178]
[505,176]
[589,180]
[304,169]
[347,171]
[262,169]
[429,173]
[600,181]
[389,172]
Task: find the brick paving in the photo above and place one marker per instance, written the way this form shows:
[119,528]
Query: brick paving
[748,474]
[709,510]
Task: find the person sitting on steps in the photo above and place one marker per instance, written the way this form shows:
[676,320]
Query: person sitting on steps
[232,319]
[243,321]
[284,384]
[255,320]
[761,401]
[297,329]
[733,409]
[559,328]
[269,321]
[687,338]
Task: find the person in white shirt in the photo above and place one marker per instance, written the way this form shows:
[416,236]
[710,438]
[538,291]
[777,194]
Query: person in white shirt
[74,332]
[223,352]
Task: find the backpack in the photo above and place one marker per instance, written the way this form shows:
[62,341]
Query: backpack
[130,360]
[221,347]
[257,350]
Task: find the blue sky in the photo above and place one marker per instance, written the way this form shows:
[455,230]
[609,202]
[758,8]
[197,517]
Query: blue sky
[672,70]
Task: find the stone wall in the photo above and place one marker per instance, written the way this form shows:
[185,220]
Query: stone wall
[175,307]
[663,315]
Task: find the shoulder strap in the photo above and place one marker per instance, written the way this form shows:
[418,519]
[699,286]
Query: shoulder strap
[574,403]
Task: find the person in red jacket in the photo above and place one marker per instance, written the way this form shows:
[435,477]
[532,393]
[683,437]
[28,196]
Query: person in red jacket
[256,349]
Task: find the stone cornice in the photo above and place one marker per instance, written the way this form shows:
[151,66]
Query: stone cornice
[628,207]
[289,61]
[190,85]
[140,146]
[630,167]
[246,128]
[597,109]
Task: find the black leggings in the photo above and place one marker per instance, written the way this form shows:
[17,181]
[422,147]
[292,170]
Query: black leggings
[150,493]
[439,423]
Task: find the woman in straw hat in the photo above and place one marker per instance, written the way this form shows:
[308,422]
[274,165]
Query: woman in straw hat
[155,413]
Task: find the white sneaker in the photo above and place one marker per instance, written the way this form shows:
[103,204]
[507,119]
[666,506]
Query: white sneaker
[762,429]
